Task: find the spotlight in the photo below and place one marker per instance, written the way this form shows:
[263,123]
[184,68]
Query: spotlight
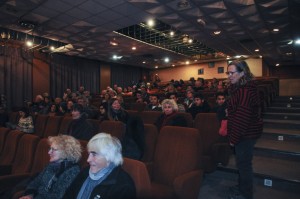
[29,43]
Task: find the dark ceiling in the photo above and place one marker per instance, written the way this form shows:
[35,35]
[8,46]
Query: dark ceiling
[88,28]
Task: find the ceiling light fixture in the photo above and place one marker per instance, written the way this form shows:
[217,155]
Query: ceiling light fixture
[113,43]
[277,64]
[172,33]
[257,50]
[29,43]
[190,41]
[167,59]
[156,66]
[187,62]
[275,29]
[150,23]
[217,32]
[52,48]
[297,41]
[290,42]
[133,48]
[144,62]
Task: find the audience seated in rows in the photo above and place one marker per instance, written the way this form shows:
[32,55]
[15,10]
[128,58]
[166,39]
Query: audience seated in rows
[199,105]
[25,123]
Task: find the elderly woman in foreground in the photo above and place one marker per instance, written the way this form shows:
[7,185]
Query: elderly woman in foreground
[52,182]
[104,178]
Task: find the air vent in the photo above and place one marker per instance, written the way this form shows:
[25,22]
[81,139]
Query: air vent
[183,4]
[28,24]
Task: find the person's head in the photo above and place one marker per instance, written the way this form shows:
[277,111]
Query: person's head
[106,96]
[81,89]
[173,96]
[104,149]
[198,99]
[169,106]
[77,111]
[70,104]
[53,108]
[81,100]
[64,147]
[24,112]
[189,94]
[220,98]
[238,72]
[115,104]
[39,98]
[102,109]
[154,100]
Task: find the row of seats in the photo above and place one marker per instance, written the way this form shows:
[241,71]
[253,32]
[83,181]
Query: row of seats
[206,123]
[173,172]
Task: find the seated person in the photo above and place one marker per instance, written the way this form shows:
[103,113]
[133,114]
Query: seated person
[80,128]
[25,123]
[104,178]
[221,106]
[52,182]
[116,112]
[102,114]
[199,105]
[170,116]
[154,104]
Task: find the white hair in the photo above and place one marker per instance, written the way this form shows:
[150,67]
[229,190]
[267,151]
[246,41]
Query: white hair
[108,146]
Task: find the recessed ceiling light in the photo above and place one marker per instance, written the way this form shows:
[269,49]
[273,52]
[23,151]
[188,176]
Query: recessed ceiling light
[52,48]
[187,62]
[238,56]
[173,65]
[167,59]
[133,48]
[277,64]
[290,42]
[144,62]
[257,50]
[115,57]
[190,41]
[113,43]
[195,60]
[172,33]
[29,43]
[288,54]
[297,41]
[150,23]
[217,32]
[156,66]
[275,29]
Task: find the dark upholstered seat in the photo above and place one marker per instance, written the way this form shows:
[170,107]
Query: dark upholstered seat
[151,134]
[114,128]
[3,133]
[52,126]
[150,117]
[64,125]
[40,125]
[10,147]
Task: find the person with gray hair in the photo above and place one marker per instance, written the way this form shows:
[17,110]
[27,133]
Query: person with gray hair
[104,178]
[52,182]
[170,115]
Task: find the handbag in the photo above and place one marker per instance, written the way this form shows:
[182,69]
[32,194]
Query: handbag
[223,128]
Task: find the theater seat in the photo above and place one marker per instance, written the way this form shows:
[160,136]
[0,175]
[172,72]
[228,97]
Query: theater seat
[10,147]
[151,134]
[175,172]
[3,133]
[138,172]
[215,148]
[150,117]
[114,128]
[64,125]
[40,125]
[52,126]
[84,154]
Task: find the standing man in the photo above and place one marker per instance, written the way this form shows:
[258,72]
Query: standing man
[244,124]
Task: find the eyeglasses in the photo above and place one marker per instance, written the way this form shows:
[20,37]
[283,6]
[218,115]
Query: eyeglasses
[52,149]
[231,73]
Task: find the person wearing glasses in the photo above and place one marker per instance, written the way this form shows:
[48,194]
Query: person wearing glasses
[64,153]
[104,178]
[244,124]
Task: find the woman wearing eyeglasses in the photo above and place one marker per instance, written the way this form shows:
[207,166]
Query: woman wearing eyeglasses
[52,182]
[244,124]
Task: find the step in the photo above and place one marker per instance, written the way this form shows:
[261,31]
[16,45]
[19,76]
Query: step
[283,124]
[215,186]
[281,116]
[289,147]
[290,104]
[272,168]
[282,110]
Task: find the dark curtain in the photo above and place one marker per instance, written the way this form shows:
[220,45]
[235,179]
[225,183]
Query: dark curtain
[15,75]
[124,75]
[72,72]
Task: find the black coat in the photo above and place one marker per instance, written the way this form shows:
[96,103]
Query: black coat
[170,120]
[117,185]
[81,129]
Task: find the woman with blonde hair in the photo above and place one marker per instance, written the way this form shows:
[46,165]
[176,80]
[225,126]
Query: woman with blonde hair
[104,178]
[52,182]
[170,115]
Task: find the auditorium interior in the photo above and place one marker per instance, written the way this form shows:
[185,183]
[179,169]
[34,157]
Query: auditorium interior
[47,46]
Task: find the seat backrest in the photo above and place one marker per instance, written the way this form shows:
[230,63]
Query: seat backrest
[151,134]
[138,106]
[114,128]
[41,157]
[188,117]
[84,154]
[133,113]
[208,126]
[150,117]
[3,133]
[178,151]
[64,125]
[40,125]
[25,152]
[53,125]
[138,172]
[10,147]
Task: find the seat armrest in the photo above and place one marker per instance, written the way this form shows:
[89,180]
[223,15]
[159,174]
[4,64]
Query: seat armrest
[149,166]
[9,181]
[187,186]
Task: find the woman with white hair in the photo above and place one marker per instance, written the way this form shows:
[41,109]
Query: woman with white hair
[104,178]
[170,116]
